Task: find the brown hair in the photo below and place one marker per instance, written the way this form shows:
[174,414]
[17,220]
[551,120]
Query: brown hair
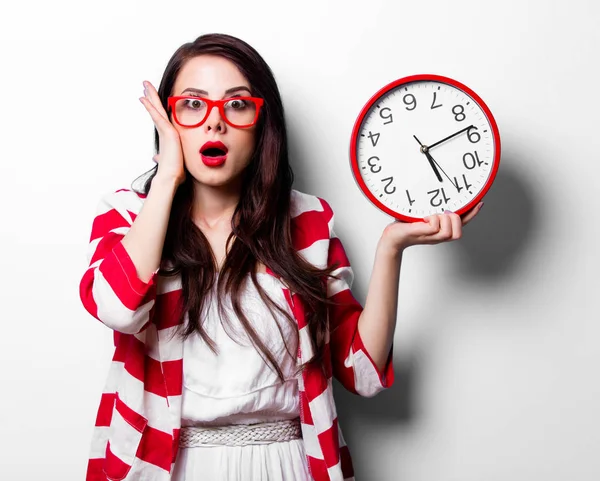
[261,223]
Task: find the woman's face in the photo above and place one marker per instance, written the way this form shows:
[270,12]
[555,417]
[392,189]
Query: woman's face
[214,77]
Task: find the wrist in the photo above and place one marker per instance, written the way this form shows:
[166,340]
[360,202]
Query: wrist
[391,242]
[164,184]
[165,181]
[390,249]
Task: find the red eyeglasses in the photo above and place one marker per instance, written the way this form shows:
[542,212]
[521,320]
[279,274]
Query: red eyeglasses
[240,112]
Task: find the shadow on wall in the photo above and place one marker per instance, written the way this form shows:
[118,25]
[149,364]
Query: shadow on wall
[496,240]
[488,252]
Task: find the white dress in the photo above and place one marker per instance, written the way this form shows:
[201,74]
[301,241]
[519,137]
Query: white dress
[237,387]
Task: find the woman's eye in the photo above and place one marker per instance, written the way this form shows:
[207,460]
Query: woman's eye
[236,104]
[194,104]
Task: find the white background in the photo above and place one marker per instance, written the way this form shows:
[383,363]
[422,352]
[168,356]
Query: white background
[496,348]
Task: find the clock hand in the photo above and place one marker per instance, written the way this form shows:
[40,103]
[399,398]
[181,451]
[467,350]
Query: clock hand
[444,172]
[432,163]
[450,136]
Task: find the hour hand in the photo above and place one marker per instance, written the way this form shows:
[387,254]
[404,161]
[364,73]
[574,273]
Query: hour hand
[432,163]
[447,176]
[433,166]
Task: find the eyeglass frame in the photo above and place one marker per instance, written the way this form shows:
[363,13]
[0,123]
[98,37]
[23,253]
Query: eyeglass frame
[258,102]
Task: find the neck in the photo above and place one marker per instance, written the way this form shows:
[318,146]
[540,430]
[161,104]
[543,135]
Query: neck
[214,206]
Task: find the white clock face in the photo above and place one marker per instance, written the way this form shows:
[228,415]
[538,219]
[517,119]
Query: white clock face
[402,156]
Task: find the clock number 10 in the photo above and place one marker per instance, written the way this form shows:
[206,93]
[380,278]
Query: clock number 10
[471,160]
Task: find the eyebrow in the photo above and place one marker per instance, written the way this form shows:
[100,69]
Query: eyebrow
[227,92]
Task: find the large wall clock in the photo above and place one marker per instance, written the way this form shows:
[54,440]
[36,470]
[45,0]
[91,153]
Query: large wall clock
[425,144]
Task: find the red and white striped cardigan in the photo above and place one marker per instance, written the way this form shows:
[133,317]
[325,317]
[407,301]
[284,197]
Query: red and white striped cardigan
[137,427]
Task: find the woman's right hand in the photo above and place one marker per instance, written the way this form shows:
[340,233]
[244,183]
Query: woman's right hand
[170,157]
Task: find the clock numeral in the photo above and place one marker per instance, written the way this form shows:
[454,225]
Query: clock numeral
[387,188]
[410,201]
[433,106]
[372,165]
[412,102]
[386,116]
[459,113]
[436,193]
[473,162]
[458,187]
[373,136]
[472,135]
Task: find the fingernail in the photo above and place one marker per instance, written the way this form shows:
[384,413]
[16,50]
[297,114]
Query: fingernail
[480,205]
[448,212]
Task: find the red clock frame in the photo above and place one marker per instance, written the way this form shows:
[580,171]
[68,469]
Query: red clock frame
[377,96]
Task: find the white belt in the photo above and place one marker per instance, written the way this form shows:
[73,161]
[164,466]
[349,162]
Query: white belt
[240,434]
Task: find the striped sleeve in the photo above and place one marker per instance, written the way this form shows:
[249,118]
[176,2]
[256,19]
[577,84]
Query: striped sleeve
[110,289]
[352,365]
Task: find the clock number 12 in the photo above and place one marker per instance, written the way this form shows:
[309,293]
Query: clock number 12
[436,193]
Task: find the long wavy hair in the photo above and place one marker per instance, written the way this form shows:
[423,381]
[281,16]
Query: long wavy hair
[261,223]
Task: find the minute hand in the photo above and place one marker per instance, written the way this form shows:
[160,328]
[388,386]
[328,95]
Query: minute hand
[450,136]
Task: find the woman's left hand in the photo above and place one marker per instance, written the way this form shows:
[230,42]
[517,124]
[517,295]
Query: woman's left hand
[434,229]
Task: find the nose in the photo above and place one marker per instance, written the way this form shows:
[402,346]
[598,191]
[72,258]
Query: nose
[214,121]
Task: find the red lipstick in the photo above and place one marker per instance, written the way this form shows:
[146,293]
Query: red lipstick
[213,154]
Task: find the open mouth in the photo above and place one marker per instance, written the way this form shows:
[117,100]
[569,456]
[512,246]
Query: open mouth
[213,152]
[213,149]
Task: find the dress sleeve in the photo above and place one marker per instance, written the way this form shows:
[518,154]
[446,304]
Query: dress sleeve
[110,288]
[352,365]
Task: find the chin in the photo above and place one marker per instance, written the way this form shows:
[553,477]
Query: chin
[215,177]
[221,176]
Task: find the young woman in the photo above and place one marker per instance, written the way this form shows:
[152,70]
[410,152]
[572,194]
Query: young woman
[229,293]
